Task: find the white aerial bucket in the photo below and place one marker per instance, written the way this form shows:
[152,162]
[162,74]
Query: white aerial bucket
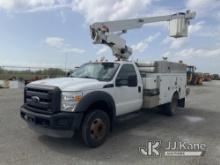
[179,24]
[178,27]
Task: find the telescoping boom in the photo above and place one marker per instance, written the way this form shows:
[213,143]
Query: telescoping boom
[108,33]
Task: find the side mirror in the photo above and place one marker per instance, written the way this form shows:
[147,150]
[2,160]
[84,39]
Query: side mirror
[132,81]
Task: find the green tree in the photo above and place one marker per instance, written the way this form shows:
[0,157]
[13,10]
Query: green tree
[51,72]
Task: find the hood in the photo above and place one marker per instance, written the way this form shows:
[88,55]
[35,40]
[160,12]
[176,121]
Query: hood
[71,84]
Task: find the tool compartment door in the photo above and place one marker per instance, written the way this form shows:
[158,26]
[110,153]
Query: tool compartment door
[170,83]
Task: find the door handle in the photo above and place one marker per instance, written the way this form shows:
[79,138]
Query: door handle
[139,89]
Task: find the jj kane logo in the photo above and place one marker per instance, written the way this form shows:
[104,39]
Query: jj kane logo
[151,148]
[176,148]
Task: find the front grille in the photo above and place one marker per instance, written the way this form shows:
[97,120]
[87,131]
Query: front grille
[42,99]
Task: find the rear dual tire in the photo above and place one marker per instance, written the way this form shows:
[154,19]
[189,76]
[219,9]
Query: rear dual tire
[170,108]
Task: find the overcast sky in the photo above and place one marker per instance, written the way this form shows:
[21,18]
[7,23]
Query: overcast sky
[42,32]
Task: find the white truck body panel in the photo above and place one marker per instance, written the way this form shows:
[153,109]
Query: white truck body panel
[167,85]
[126,100]
[161,83]
[170,84]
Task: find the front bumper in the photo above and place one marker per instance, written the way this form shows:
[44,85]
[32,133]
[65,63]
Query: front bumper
[61,124]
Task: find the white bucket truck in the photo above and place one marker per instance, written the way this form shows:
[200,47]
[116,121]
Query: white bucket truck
[90,100]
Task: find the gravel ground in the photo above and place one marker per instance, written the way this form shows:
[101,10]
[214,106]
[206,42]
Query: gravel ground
[199,122]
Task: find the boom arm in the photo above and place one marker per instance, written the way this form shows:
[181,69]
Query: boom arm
[108,33]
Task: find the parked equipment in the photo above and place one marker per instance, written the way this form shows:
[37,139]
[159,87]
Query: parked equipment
[193,77]
[207,77]
[216,77]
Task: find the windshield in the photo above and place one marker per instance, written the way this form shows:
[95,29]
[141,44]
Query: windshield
[100,71]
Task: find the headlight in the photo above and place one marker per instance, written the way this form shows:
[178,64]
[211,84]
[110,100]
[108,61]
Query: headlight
[70,100]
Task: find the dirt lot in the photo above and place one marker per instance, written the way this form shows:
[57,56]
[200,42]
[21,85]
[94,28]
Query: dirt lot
[199,122]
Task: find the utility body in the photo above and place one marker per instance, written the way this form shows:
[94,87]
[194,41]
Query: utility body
[94,95]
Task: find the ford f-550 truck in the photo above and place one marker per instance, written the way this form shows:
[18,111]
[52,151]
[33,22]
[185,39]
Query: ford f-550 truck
[94,95]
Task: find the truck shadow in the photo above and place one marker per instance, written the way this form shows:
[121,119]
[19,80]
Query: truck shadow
[133,130]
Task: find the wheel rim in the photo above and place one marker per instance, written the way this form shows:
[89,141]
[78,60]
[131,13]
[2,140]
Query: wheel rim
[97,129]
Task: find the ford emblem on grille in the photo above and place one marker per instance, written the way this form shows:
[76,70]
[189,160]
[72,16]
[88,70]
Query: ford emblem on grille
[35,99]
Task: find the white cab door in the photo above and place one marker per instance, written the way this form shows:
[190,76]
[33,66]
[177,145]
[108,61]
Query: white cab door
[128,95]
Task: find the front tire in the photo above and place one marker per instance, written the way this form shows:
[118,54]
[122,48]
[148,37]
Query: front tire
[95,128]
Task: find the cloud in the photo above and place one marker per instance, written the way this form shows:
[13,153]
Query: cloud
[211,31]
[47,8]
[143,45]
[190,53]
[199,4]
[99,10]
[206,59]
[59,43]
[103,51]
[32,5]
[174,43]
[203,7]
[139,47]
[74,50]
[54,42]
[196,27]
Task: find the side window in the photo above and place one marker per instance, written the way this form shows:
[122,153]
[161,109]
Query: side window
[127,76]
